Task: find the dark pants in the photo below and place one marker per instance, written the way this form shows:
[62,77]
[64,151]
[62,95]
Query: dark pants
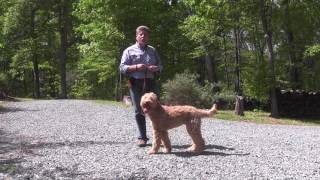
[137,88]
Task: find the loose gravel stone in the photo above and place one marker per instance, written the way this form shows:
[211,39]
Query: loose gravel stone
[77,139]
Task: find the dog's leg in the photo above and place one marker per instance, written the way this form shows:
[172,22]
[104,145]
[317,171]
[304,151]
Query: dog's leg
[194,130]
[156,142]
[166,141]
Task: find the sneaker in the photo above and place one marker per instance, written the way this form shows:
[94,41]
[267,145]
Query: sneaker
[142,143]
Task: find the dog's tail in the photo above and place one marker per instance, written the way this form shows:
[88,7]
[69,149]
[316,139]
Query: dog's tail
[213,110]
[200,113]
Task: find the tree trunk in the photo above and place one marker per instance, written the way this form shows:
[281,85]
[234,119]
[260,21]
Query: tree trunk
[294,75]
[63,25]
[35,64]
[118,87]
[268,34]
[237,60]
[226,69]
[25,84]
[209,66]
[119,78]
[36,81]
[208,62]
[239,109]
[2,95]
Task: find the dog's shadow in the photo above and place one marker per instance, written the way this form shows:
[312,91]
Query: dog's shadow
[207,151]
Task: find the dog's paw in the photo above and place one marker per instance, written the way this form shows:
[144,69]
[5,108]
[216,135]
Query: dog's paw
[167,151]
[151,151]
[191,148]
[195,149]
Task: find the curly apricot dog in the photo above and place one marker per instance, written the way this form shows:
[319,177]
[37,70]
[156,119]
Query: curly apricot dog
[164,118]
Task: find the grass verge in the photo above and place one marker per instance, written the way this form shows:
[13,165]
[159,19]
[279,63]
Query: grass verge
[261,117]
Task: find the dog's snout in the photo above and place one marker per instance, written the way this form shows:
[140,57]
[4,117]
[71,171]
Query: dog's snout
[146,106]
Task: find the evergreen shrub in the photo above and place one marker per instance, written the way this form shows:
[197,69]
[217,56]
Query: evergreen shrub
[184,89]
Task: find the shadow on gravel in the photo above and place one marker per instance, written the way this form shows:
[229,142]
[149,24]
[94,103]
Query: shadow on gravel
[207,153]
[11,109]
[53,145]
[209,146]
[14,151]
[10,158]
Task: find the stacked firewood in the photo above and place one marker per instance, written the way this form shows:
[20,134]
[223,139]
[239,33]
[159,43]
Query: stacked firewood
[298,103]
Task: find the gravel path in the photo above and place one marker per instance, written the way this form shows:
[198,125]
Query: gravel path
[75,139]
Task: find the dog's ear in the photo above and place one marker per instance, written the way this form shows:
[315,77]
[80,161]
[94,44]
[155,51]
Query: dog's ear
[154,96]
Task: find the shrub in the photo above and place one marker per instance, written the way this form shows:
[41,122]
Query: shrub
[184,89]
[225,99]
[3,81]
[81,89]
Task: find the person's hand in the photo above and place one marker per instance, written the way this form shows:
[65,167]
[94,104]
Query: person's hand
[141,67]
[153,68]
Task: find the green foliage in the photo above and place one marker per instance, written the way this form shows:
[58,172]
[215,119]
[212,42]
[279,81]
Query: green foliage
[311,70]
[81,89]
[255,83]
[49,81]
[184,89]
[103,28]
[312,51]
[204,25]
[100,52]
[225,97]
[94,78]
[3,81]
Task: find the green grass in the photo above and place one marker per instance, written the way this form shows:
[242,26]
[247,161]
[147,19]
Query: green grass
[9,168]
[261,117]
[258,117]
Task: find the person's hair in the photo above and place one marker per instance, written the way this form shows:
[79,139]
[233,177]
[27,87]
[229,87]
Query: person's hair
[142,28]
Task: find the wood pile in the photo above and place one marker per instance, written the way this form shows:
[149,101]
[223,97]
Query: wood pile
[298,103]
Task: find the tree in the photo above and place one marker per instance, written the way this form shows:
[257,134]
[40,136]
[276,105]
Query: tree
[64,13]
[21,31]
[294,74]
[202,26]
[266,15]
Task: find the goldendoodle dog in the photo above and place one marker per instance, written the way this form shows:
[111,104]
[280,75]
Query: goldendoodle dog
[164,118]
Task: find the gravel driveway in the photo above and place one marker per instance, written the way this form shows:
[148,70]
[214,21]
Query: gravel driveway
[76,139]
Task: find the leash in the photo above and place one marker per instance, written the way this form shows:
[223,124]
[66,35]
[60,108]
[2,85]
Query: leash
[144,86]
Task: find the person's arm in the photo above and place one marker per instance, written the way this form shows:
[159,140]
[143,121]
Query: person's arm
[126,65]
[136,67]
[125,62]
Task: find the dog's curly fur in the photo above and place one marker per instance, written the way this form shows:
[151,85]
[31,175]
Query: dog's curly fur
[164,118]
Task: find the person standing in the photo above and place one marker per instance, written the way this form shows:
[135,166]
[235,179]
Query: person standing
[141,63]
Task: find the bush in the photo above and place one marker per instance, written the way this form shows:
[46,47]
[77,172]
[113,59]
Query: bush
[184,89]
[3,82]
[81,89]
[225,99]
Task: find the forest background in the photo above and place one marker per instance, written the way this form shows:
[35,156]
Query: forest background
[72,48]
